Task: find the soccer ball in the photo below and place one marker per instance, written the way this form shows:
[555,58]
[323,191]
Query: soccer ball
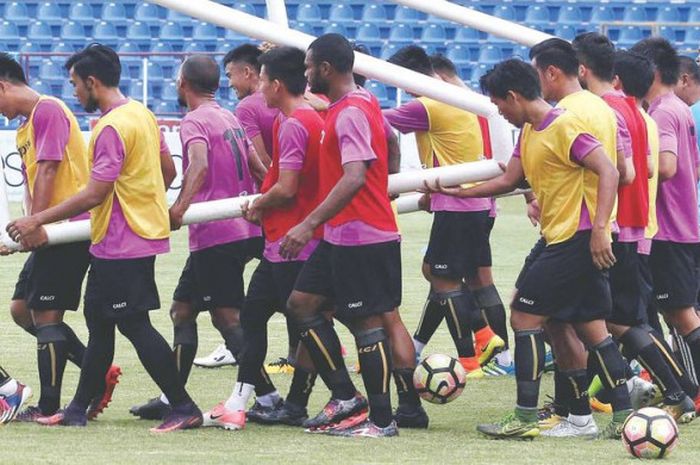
[650,433]
[439,379]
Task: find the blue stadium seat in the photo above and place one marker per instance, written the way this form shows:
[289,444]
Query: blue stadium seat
[139,32]
[460,55]
[205,32]
[490,54]
[629,35]
[379,91]
[401,34]
[161,47]
[669,33]
[114,13]
[374,13]
[634,13]
[692,35]
[565,31]
[147,13]
[171,32]
[197,47]
[42,87]
[432,19]
[309,12]
[669,14]
[9,36]
[166,108]
[389,49]
[169,92]
[368,33]
[136,90]
[466,35]
[49,13]
[17,13]
[155,71]
[694,15]
[39,32]
[245,8]
[51,71]
[408,15]
[176,16]
[67,92]
[233,36]
[478,71]
[505,12]
[336,28]
[81,12]
[537,14]
[341,13]
[307,28]
[433,34]
[602,14]
[225,47]
[106,33]
[73,32]
[62,47]
[522,52]
[30,47]
[570,14]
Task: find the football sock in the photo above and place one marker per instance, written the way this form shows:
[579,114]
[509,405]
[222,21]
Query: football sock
[687,384]
[459,308]
[185,342]
[433,313]
[302,385]
[249,341]
[529,365]
[234,339]
[76,348]
[693,341]
[376,363]
[98,357]
[320,339]
[610,366]
[293,337]
[638,344]
[490,303]
[155,355]
[684,354]
[52,354]
[239,397]
[268,400]
[576,382]
[595,387]
[403,377]
[563,394]
[263,383]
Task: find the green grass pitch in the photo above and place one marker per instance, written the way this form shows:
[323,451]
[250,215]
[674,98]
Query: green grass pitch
[118,438]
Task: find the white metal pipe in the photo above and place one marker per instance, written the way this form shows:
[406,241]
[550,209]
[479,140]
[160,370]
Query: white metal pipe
[277,12]
[4,204]
[478,20]
[75,231]
[408,203]
[366,65]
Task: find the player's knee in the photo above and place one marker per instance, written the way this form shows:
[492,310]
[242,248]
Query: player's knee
[225,318]
[426,272]
[20,314]
[181,312]
[299,307]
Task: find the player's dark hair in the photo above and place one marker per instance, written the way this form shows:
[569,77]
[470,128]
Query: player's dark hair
[359,79]
[414,58]
[10,70]
[335,50]
[635,71]
[246,53]
[663,55]
[555,52]
[98,61]
[690,67]
[441,63]
[511,75]
[597,53]
[202,73]
[286,64]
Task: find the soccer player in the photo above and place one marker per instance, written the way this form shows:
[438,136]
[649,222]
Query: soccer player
[458,243]
[566,279]
[216,158]
[55,165]
[289,193]
[129,227]
[357,265]
[627,323]
[243,71]
[13,395]
[674,261]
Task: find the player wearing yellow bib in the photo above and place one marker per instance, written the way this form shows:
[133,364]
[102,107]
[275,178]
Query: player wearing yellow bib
[566,279]
[129,226]
[55,166]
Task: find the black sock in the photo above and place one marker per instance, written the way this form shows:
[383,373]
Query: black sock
[263,383]
[638,344]
[563,396]
[610,366]
[155,355]
[683,353]
[185,343]
[52,354]
[529,365]
[98,357]
[490,302]
[234,339]
[302,385]
[687,384]
[321,340]
[577,385]
[693,341]
[76,348]
[459,313]
[433,313]
[375,360]
[4,376]
[293,337]
[403,377]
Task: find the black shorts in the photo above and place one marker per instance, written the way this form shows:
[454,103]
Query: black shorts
[52,278]
[119,288]
[361,280]
[459,244]
[272,283]
[626,286]
[535,252]
[561,282]
[674,267]
[213,277]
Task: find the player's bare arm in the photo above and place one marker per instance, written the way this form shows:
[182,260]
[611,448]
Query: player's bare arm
[193,179]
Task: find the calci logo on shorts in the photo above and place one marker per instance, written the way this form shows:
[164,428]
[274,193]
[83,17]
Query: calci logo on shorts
[119,306]
[662,296]
[357,304]
[47,298]
[525,301]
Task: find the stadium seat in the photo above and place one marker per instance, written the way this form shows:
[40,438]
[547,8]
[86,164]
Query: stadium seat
[51,72]
[307,28]
[147,13]
[62,47]
[205,32]
[30,47]
[171,32]
[478,71]
[309,13]
[629,35]
[136,90]
[433,34]
[39,32]
[374,13]
[245,8]
[336,28]
[432,19]
[17,13]
[105,32]
[67,92]
[401,34]
[50,13]
[341,13]
[466,35]
[368,33]
[694,15]
[139,32]
[198,47]
[166,108]
[169,92]
[408,15]
[634,14]
[177,17]
[73,31]
[522,52]
[459,55]
[669,33]
[389,49]
[81,12]
[379,91]
[505,12]
[489,54]
[162,47]
[669,14]
[565,31]
[692,36]
[570,14]
[602,14]
[113,12]
[42,87]
[537,14]
[233,36]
